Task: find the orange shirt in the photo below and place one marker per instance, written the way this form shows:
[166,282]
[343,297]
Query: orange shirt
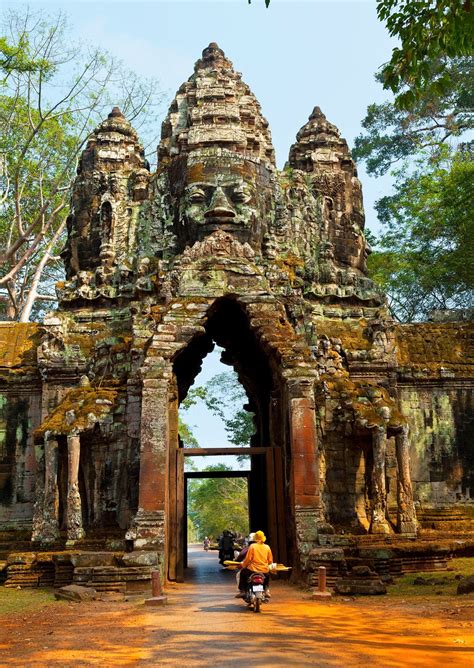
[258,558]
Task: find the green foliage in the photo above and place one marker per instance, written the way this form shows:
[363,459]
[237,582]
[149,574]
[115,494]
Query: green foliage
[225,397]
[215,504]
[430,32]
[186,434]
[426,257]
[392,135]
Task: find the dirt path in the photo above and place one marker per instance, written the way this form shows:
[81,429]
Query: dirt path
[204,625]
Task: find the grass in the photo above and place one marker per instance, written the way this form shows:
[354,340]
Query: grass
[17,601]
[438,583]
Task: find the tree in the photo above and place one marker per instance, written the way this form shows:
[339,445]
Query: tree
[215,504]
[225,397]
[431,33]
[52,94]
[424,255]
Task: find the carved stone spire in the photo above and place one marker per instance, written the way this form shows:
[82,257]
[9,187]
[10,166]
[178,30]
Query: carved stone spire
[215,108]
[321,152]
[215,158]
[112,180]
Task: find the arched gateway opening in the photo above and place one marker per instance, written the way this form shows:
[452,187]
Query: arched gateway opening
[227,326]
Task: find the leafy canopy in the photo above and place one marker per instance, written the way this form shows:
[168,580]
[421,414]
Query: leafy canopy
[215,504]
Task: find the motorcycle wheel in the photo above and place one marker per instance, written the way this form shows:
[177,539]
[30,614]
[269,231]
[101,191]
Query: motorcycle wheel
[257,604]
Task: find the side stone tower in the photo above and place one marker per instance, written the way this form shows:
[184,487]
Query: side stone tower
[111,183]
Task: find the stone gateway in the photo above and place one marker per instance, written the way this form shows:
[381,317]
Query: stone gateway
[363,426]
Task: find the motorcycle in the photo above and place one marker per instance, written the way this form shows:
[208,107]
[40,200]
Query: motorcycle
[255,593]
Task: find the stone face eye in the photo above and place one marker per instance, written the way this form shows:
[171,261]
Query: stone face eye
[241,196]
[197,196]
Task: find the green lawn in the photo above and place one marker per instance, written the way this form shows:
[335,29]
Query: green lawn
[16,601]
[439,583]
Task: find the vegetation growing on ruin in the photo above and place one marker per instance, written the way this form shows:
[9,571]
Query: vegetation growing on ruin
[436,346]
[80,409]
[352,333]
[18,344]
[15,602]
[443,583]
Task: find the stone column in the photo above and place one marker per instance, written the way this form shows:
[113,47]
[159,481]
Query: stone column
[304,465]
[379,523]
[75,530]
[37,532]
[406,515]
[148,528]
[51,492]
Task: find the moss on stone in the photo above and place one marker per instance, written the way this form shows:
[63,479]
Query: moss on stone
[18,344]
[79,410]
[352,333]
[436,346]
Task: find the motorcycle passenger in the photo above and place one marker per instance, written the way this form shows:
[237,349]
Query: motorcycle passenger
[241,556]
[257,560]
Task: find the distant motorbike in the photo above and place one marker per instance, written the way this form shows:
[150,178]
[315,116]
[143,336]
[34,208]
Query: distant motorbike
[255,591]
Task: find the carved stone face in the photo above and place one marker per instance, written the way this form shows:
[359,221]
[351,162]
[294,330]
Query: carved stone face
[223,194]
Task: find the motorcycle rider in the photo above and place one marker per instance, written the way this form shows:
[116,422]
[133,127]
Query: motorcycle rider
[226,546]
[257,560]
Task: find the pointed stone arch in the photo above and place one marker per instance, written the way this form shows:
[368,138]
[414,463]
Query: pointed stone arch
[184,335]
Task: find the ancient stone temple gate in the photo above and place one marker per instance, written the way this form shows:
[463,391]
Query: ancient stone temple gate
[361,424]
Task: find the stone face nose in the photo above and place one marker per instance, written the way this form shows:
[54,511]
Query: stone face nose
[220,206]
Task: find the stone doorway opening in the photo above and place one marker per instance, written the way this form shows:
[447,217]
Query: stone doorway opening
[228,326]
[216,501]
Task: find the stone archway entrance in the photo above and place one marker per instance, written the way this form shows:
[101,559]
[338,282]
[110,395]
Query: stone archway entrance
[227,326]
[275,368]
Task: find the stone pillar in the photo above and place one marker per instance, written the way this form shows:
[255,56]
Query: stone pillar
[51,492]
[379,523]
[304,466]
[75,530]
[406,515]
[37,532]
[148,527]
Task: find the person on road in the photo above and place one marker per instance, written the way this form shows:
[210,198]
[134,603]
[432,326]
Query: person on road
[257,560]
[206,543]
[241,556]
[226,546]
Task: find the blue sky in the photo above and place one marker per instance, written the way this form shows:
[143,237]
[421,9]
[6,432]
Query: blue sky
[294,55]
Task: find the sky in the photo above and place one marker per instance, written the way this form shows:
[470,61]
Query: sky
[294,55]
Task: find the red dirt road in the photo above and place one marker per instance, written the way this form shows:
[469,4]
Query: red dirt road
[203,625]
